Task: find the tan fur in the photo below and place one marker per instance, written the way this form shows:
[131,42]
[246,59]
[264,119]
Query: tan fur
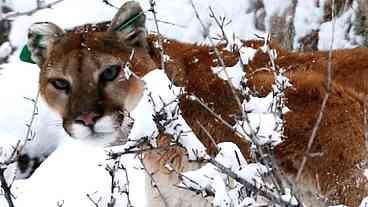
[167,180]
[340,137]
[79,56]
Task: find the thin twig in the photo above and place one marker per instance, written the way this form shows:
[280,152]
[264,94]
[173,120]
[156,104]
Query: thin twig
[221,24]
[116,184]
[17,152]
[113,155]
[325,98]
[209,136]
[222,62]
[159,37]
[95,203]
[6,188]
[32,11]
[167,22]
[29,133]
[270,163]
[227,124]
[108,3]
[127,184]
[244,116]
[153,181]
[60,203]
[264,191]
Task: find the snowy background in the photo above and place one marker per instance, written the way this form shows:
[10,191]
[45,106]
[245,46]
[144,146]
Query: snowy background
[71,171]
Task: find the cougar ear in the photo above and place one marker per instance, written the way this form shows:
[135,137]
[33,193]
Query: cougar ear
[41,35]
[129,22]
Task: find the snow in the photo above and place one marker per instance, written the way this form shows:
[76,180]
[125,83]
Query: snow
[259,104]
[365,173]
[66,169]
[16,112]
[364,202]
[341,28]
[160,95]
[288,197]
[22,6]
[263,115]
[275,8]
[76,169]
[67,166]
[234,73]
[308,17]
[5,50]
[263,125]
[63,178]
[188,28]
[208,178]
[247,54]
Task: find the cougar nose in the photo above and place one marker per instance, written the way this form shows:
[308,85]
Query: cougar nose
[88,119]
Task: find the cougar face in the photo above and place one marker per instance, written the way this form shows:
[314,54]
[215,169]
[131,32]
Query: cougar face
[85,76]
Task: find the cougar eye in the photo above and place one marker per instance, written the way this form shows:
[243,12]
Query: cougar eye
[110,73]
[60,84]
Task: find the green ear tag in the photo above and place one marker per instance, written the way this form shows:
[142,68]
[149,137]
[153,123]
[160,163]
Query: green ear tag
[26,56]
[132,20]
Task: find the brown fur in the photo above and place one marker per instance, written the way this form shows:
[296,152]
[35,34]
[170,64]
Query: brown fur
[340,138]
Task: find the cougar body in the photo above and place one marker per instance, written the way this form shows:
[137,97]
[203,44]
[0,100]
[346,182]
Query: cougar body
[82,78]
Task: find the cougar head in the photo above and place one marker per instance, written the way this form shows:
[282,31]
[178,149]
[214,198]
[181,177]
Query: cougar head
[84,75]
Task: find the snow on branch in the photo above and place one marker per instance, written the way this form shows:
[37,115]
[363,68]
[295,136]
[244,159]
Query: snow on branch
[10,154]
[228,176]
[30,12]
[266,132]
[160,101]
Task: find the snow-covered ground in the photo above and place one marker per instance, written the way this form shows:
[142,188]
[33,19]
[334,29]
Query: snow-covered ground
[74,169]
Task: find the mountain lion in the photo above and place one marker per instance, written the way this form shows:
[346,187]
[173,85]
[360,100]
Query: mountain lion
[82,78]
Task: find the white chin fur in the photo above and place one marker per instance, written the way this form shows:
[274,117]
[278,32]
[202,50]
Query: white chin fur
[106,132]
[106,125]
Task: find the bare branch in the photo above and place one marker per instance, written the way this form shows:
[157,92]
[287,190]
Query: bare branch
[219,118]
[95,203]
[167,22]
[108,3]
[325,98]
[222,62]
[60,203]
[153,181]
[29,133]
[209,136]
[32,11]
[159,37]
[6,188]
[221,23]
[264,191]
[113,155]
